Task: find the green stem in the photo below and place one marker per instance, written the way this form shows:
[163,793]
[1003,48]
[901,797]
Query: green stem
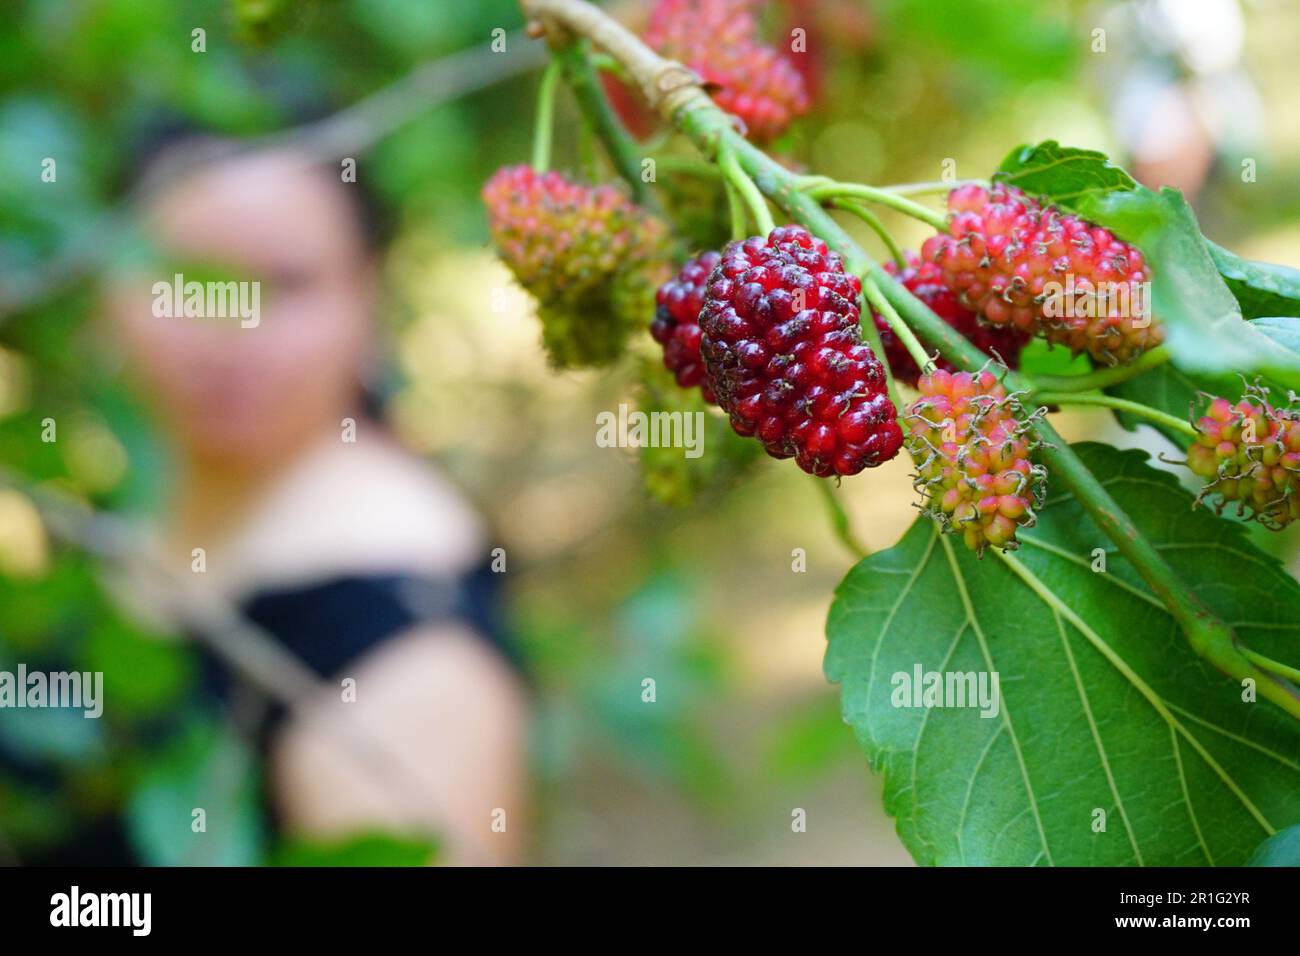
[622,149]
[1119,404]
[900,328]
[692,167]
[545,117]
[1268,664]
[739,228]
[604,63]
[878,227]
[840,519]
[1104,377]
[932,188]
[811,182]
[745,186]
[691,110]
[883,196]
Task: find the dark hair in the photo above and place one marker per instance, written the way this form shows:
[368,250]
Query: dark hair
[163,134]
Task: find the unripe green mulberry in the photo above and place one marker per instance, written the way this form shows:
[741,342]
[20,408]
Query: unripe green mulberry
[972,444]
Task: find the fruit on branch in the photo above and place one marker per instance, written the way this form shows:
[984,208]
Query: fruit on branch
[924,280]
[676,324]
[784,355]
[719,40]
[972,443]
[1021,264]
[1250,452]
[589,256]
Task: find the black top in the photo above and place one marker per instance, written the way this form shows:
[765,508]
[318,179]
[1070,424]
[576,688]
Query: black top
[329,625]
[326,625]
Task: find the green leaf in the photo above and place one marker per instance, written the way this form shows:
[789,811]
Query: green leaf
[1123,718]
[1261,288]
[1280,850]
[1282,329]
[1064,174]
[1204,325]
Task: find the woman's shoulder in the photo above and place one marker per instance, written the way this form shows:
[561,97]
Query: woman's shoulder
[355,508]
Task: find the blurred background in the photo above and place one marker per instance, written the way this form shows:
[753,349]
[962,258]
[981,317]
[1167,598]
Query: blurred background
[607,584]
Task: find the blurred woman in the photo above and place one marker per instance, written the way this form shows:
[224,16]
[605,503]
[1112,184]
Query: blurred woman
[358,559]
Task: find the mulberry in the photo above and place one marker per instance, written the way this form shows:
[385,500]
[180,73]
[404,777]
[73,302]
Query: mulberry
[718,39]
[971,443]
[1250,453]
[1021,264]
[590,257]
[784,356]
[923,279]
[676,324]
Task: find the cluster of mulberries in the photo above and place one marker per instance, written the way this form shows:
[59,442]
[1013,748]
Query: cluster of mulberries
[676,324]
[784,356]
[1019,263]
[971,443]
[590,257]
[1250,454]
[718,39]
[924,280]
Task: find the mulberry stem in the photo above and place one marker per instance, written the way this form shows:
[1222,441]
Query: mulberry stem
[736,208]
[1268,664]
[545,117]
[585,86]
[933,188]
[1106,376]
[840,520]
[883,196]
[878,227]
[1119,404]
[745,186]
[900,328]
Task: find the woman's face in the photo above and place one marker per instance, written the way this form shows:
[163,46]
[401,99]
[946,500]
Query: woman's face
[242,391]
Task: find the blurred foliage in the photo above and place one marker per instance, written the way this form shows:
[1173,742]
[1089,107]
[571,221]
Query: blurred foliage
[367,849]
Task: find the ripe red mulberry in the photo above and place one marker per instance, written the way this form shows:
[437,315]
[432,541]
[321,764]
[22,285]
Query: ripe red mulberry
[1021,264]
[718,39]
[586,253]
[676,324]
[924,280]
[972,446]
[784,355]
[1250,453]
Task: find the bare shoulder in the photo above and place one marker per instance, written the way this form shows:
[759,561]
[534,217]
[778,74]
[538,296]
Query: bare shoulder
[448,717]
[368,506]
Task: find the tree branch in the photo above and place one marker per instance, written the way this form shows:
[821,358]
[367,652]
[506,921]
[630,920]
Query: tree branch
[676,94]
